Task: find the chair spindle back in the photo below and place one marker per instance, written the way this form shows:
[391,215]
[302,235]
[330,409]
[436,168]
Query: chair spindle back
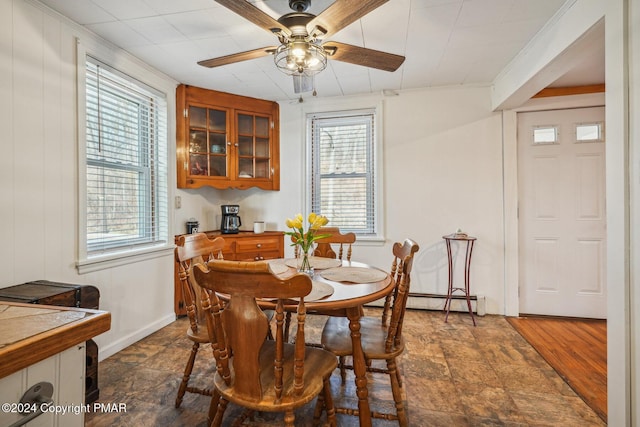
[241,327]
[191,250]
[396,302]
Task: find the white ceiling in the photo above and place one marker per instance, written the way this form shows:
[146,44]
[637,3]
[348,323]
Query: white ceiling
[445,42]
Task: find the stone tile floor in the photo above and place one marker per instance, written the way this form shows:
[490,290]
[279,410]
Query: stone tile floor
[454,374]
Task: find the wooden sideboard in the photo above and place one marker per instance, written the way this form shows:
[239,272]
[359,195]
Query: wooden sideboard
[243,246]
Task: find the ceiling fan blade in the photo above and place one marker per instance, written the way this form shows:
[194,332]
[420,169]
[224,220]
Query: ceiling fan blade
[363,56]
[238,57]
[251,13]
[342,13]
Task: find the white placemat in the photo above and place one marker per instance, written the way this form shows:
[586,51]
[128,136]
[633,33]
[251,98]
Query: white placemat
[317,262]
[278,266]
[319,290]
[354,274]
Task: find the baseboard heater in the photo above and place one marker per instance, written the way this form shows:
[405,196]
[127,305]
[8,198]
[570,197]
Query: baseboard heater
[436,302]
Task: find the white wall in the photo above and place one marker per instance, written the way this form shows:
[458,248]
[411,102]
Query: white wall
[39,172]
[442,168]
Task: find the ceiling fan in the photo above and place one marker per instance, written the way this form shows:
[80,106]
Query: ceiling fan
[302,52]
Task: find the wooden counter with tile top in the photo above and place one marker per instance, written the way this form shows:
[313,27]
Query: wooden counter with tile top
[30,333]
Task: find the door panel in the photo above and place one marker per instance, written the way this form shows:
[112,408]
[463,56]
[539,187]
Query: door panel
[562,215]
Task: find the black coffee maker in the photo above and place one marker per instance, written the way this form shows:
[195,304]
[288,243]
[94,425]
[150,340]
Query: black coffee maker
[230,220]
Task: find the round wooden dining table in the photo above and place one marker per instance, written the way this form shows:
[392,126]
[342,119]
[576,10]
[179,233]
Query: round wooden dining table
[346,300]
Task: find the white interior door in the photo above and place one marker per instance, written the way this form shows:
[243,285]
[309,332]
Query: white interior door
[561,179]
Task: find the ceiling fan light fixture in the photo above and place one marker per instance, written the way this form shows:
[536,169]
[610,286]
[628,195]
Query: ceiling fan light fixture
[300,57]
[298,49]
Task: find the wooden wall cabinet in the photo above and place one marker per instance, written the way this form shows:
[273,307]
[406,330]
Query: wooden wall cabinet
[226,141]
[243,246]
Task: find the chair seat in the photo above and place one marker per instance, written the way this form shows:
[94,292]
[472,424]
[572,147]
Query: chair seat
[318,364]
[201,336]
[336,337]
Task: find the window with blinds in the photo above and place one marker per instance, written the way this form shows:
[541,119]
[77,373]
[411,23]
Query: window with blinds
[126,162]
[343,170]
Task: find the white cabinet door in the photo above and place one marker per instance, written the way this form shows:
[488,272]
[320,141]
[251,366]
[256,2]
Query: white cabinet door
[66,371]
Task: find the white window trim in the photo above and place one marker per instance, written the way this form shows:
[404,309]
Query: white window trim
[84,263]
[379,238]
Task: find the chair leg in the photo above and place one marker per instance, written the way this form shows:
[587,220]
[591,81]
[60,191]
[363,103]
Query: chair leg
[187,374]
[397,393]
[328,402]
[325,402]
[222,406]
[317,412]
[343,370]
[289,419]
[213,407]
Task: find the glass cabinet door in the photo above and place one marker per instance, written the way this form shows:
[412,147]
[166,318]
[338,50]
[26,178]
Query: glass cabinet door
[208,142]
[226,141]
[254,155]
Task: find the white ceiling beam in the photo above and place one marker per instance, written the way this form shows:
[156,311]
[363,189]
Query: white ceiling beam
[566,38]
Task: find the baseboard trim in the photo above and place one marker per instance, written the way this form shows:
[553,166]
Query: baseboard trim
[124,342]
[458,302]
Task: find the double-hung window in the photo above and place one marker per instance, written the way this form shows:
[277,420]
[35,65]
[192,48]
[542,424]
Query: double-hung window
[343,170]
[126,196]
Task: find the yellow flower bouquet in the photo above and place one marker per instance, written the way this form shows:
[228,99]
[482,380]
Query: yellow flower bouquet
[304,239]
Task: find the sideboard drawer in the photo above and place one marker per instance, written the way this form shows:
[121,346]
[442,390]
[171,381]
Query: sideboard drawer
[257,245]
[256,255]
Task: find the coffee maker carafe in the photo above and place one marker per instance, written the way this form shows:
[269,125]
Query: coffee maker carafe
[230,220]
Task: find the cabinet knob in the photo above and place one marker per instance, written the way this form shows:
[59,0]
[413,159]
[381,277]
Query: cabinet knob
[228,142]
[235,145]
[258,245]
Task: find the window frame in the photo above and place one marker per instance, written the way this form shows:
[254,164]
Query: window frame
[378,237]
[86,261]
[601,132]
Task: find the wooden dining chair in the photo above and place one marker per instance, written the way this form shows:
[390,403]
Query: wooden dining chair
[381,337]
[341,241]
[253,372]
[192,250]
[324,246]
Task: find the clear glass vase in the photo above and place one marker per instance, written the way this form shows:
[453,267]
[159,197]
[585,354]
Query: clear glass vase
[304,261]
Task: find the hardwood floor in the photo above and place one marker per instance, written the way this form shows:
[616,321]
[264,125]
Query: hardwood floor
[576,349]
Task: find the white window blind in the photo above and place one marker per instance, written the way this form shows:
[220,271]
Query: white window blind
[343,170]
[126,162]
